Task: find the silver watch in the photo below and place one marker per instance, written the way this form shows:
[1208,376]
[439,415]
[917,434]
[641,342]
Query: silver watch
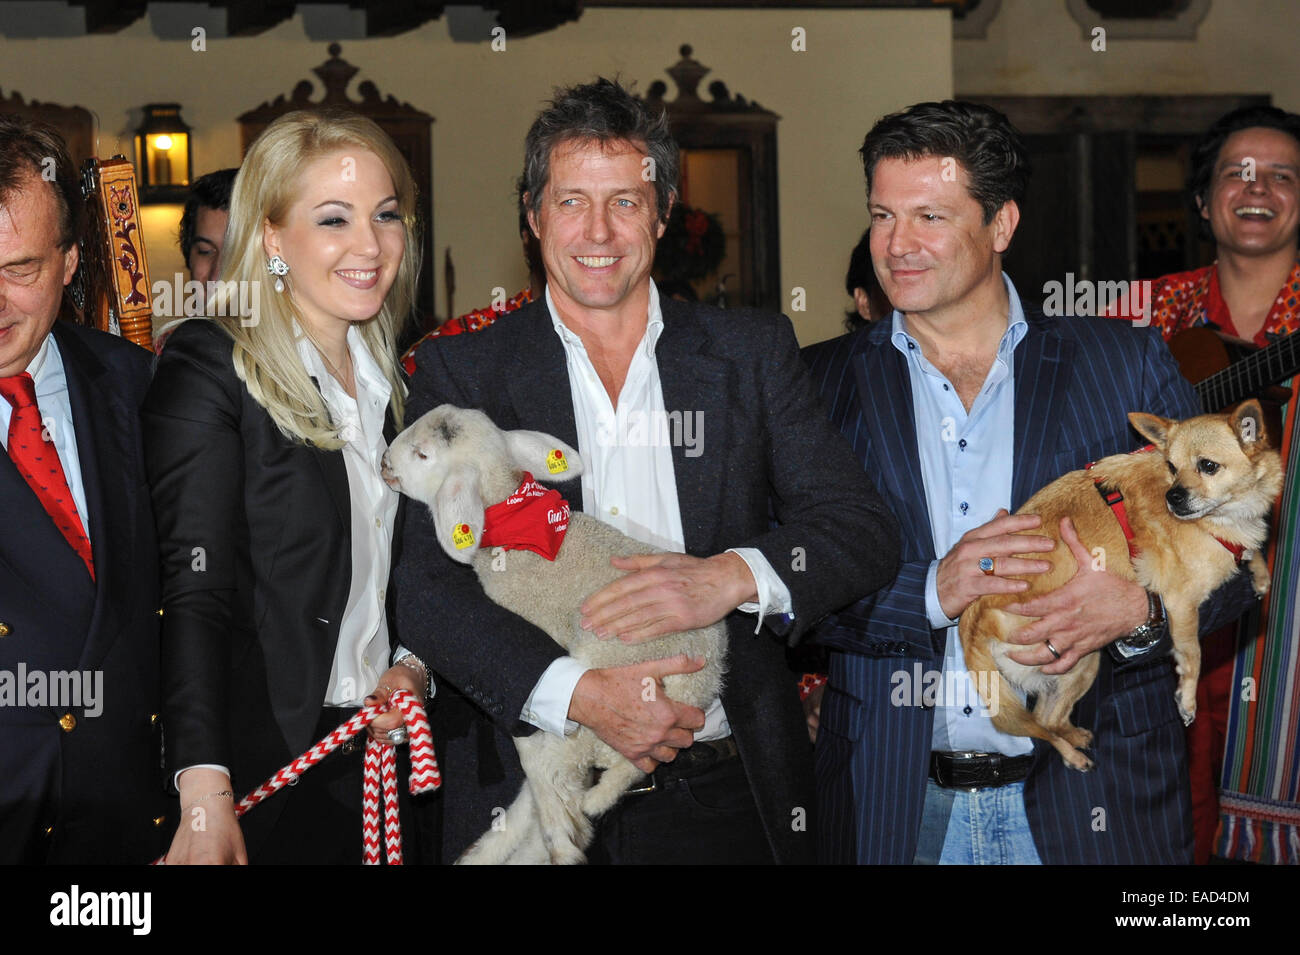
[1148,634]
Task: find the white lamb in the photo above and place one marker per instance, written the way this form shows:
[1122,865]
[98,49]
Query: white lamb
[458,462]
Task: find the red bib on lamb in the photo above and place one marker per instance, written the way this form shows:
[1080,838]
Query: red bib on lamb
[532,518]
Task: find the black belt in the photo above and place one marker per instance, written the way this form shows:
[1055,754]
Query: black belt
[972,771]
[696,760]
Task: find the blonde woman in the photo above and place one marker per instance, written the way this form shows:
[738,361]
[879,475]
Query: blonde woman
[264,429]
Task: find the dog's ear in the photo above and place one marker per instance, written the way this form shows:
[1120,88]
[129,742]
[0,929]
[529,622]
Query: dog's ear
[1152,427]
[546,457]
[1248,424]
[458,513]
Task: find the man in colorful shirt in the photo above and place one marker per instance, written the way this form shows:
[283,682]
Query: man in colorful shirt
[1245,185]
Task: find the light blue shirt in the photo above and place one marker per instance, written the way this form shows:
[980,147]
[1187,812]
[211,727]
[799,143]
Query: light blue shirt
[52,398]
[966,464]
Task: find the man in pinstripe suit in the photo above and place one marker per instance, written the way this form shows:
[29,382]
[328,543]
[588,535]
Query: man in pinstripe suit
[961,405]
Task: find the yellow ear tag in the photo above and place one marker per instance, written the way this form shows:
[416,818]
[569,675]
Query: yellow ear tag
[555,462]
[462,536]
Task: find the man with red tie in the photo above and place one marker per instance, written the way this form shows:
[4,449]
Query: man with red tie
[79,768]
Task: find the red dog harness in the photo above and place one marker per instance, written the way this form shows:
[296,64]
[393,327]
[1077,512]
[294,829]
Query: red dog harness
[1115,501]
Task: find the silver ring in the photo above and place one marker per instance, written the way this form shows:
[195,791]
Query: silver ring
[398,736]
[1055,652]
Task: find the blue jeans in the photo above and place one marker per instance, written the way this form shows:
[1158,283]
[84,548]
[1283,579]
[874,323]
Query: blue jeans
[988,827]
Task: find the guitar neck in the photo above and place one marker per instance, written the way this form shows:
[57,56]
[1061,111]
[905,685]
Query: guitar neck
[1251,375]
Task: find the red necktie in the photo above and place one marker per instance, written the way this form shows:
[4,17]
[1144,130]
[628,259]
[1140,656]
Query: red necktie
[38,462]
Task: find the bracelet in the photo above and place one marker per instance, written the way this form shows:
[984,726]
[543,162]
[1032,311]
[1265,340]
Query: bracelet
[224,792]
[412,662]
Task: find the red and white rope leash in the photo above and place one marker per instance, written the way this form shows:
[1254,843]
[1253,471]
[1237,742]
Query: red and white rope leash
[380,770]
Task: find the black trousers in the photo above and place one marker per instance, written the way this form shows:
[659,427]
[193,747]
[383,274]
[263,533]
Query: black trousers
[708,819]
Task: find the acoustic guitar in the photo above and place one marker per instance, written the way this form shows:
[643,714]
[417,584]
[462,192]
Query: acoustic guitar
[1225,371]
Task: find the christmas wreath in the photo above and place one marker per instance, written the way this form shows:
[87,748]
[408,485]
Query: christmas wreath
[692,246]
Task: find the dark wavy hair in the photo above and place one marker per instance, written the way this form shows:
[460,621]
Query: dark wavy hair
[31,148]
[1205,154]
[862,275]
[211,192]
[983,140]
[602,112]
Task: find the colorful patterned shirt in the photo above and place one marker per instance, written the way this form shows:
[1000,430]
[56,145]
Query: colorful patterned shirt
[1187,299]
[474,321]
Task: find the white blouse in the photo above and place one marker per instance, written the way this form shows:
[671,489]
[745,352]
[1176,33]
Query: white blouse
[361,653]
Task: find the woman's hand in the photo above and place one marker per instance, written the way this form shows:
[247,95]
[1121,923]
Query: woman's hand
[399,677]
[209,832]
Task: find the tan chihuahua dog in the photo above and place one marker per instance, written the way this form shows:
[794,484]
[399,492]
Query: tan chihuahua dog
[1197,504]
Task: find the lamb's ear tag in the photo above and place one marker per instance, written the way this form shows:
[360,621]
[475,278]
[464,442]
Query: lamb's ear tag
[555,462]
[462,536]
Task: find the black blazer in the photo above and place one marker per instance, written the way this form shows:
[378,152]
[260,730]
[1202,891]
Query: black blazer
[767,448]
[255,536]
[96,786]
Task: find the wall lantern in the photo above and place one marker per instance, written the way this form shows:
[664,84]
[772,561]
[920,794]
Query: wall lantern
[163,161]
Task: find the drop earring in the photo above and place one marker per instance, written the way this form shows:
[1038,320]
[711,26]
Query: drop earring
[279,268]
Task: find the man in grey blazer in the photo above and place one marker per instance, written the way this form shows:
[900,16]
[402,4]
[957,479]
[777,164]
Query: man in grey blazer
[697,425]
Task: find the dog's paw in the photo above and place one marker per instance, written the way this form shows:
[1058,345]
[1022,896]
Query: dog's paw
[1077,737]
[1077,760]
[1186,707]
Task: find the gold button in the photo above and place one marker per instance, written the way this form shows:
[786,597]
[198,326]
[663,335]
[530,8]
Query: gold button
[68,722]
[153,719]
[49,830]
[160,610]
[4,629]
[158,821]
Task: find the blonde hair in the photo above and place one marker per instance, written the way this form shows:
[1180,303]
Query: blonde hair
[265,354]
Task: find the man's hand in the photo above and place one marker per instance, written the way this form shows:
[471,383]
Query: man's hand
[627,707]
[1093,609]
[959,580]
[668,593]
[208,833]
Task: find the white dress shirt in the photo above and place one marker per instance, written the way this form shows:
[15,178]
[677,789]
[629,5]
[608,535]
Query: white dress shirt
[361,654]
[55,406]
[629,482]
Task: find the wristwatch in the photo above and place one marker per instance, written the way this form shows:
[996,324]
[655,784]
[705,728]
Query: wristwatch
[1146,635]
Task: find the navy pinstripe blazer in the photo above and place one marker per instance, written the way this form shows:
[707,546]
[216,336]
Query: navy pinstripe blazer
[1075,381]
